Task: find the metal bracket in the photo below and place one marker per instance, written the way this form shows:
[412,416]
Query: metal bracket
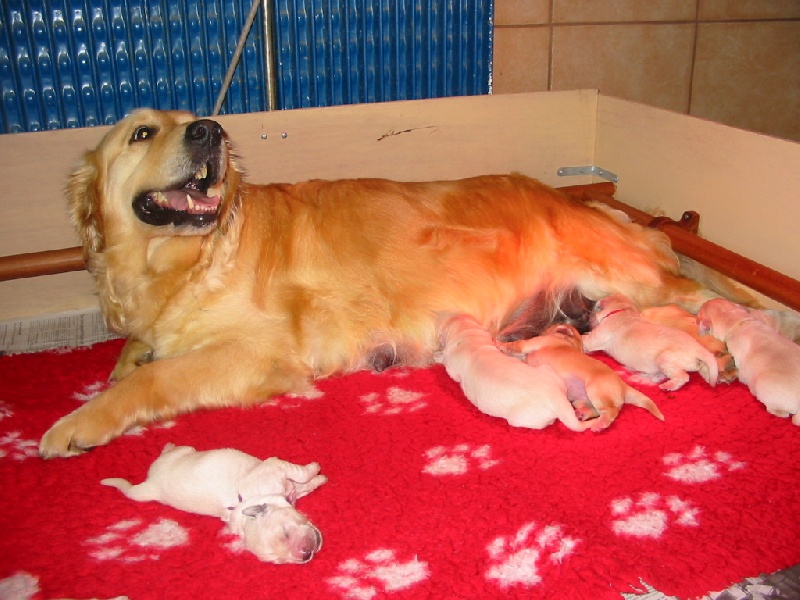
[592,170]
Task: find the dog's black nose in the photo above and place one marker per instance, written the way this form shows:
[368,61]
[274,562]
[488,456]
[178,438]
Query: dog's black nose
[204,132]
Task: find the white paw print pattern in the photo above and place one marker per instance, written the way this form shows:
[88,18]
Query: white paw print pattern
[91,390]
[379,572]
[456,460]
[396,401]
[12,445]
[698,466]
[139,430]
[651,515]
[19,586]
[130,541]
[297,400]
[520,559]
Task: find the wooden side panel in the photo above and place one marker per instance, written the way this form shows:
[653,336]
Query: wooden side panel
[745,186]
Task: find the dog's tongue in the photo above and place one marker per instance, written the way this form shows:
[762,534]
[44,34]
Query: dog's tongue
[191,201]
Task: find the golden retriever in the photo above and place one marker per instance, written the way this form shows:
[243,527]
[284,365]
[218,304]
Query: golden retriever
[230,293]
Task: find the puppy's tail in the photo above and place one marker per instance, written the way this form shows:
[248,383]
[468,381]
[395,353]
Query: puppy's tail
[122,485]
[140,493]
[637,398]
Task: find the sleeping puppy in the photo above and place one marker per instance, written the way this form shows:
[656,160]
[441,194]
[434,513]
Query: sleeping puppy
[230,293]
[676,317]
[499,385]
[660,353]
[768,362]
[593,387]
[255,498]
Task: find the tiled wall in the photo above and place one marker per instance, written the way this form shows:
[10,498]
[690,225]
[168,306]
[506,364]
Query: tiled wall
[733,61]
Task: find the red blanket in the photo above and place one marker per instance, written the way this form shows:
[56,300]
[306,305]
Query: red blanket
[427,497]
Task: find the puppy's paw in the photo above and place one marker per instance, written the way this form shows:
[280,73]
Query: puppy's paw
[74,434]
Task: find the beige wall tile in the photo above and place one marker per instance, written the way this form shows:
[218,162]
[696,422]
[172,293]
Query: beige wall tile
[591,11]
[748,75]
[749,9]
[521,59]
[644,63]
[521,12]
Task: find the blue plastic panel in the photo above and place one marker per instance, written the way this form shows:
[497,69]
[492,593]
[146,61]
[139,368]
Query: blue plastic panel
[75,63]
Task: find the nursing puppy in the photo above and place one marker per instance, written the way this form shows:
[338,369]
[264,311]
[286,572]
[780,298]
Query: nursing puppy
[500,385]
[595,390]
[768,362]
[660,353]
[230,293]
[676,317]
[255,498]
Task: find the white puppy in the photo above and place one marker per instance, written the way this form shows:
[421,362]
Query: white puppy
[768,362]
[595,390]
[660,353]
[256,498]
[499,385]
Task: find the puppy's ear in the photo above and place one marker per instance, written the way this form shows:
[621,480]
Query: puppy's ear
[254,511]
[84,205]
[703,327]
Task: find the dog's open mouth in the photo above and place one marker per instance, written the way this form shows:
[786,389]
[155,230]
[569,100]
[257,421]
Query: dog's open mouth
[193,203]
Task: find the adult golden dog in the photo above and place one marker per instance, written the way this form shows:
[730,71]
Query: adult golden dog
[230,293]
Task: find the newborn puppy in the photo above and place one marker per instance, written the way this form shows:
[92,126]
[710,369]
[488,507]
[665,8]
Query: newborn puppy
[256,498]
[500,385]
[593,387]
[677,317]
[660,353]
[769,363]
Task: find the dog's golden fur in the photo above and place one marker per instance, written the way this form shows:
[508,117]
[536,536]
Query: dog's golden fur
[286,283]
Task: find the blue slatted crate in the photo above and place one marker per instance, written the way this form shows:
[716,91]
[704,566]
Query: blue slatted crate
[74,63]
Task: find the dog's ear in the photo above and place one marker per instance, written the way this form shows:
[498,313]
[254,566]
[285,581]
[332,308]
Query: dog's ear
[254,511]
[84,205]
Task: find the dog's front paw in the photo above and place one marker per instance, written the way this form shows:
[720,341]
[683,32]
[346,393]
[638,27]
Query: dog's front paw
[74,434]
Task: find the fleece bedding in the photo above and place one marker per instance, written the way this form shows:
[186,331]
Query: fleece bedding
[427,497]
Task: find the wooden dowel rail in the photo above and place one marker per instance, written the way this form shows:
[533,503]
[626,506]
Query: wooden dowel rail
[34,264]
[756,276]
[769,282]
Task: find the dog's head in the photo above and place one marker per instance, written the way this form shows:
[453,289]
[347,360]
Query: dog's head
[719,316]
[272,529]
[155,173]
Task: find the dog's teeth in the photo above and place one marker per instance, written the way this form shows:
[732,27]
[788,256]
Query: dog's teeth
[190,201]
[202,172]
[160,199]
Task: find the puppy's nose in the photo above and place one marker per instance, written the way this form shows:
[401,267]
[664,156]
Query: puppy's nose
[204,132]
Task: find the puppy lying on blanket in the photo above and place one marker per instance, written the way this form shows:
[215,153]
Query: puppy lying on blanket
[255,498]
[660,353]
[500,385]
[769,363]
[593,387]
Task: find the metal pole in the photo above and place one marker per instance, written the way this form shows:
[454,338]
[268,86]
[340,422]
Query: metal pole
[270,67]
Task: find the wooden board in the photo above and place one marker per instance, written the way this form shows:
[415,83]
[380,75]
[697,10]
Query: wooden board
[746,186]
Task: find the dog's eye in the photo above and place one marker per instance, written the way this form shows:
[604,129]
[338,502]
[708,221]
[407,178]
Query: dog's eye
[143,133]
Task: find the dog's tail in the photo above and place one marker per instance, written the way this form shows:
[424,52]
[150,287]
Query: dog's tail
[637,398]
[122,485]
[140,493]
[716,282]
